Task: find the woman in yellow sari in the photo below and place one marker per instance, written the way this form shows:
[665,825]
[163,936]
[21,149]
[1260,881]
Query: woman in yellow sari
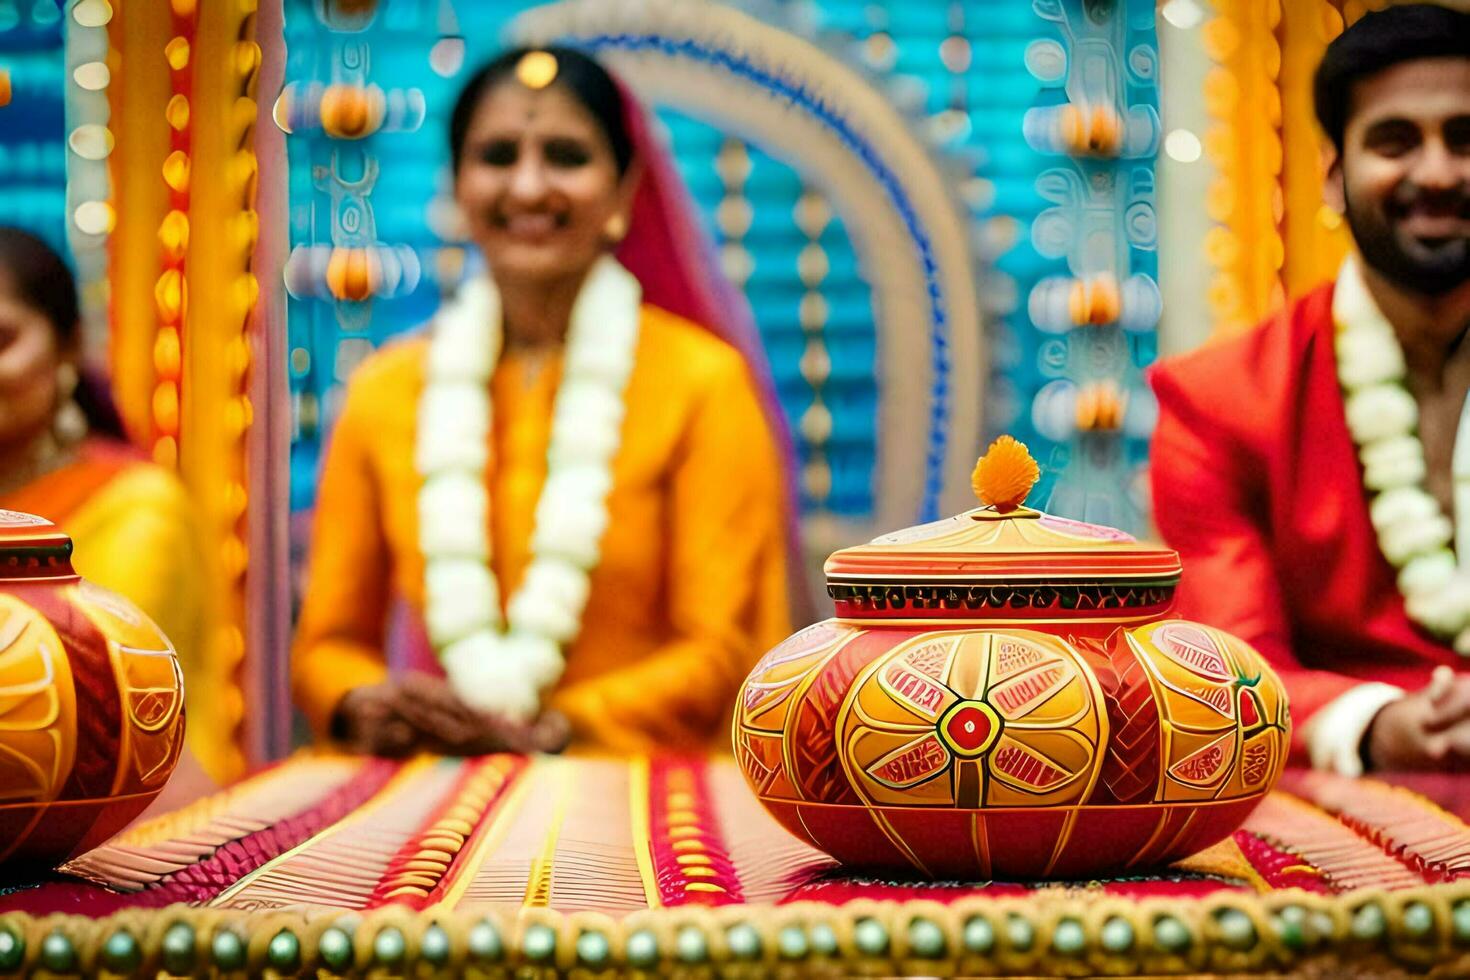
[63,456]
[571,478]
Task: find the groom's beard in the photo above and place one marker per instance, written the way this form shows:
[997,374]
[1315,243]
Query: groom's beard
[1430,267]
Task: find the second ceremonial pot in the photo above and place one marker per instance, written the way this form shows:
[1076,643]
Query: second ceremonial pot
[1004,694]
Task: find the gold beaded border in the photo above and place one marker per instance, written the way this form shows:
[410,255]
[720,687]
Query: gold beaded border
[1047,934]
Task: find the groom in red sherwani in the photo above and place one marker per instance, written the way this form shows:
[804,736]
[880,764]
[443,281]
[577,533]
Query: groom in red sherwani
[1256,475]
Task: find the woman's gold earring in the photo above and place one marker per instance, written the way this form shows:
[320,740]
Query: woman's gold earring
[616,229]
[70,423]
[447,219]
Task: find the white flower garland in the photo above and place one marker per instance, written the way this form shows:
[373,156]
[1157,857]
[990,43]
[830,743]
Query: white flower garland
[1413,531]
[493,668]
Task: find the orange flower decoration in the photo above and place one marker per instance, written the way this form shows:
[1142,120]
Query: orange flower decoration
[349,112]
[1005,474]
[354,274]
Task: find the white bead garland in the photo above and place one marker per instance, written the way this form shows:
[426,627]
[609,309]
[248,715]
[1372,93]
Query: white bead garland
[1413,532]
[493,668]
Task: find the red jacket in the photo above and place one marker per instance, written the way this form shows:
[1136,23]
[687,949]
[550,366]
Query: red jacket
[1256,483]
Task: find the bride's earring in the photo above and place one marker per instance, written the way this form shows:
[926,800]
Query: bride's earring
[70,423]
[447,219]
[615,230]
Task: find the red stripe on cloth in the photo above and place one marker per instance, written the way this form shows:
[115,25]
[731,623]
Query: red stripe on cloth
[691,860]
[147,853]
[339,866]
[770,861]
[471,801]
[206,879]
[1410,828]
[1279,868]
[1346,859]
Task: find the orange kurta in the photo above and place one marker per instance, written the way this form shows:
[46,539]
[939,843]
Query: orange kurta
[691,584]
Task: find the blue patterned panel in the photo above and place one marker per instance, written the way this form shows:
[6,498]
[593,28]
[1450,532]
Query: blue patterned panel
[963,65]
[33,125]
[331,178]
[1101,223]
[775,292]
[371,194]
[985,74]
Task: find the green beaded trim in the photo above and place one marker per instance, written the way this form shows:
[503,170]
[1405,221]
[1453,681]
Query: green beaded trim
[1043,934]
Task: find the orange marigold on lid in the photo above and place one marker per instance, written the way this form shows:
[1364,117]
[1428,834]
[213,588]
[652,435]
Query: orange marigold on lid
[1005,474]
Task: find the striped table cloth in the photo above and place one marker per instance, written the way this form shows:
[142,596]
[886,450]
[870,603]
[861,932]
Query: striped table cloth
[564,865]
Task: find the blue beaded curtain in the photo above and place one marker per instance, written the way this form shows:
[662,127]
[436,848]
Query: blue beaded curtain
[983,80]
[1093,301]
[363,197]
[814,311]
[33,125]
[991,78]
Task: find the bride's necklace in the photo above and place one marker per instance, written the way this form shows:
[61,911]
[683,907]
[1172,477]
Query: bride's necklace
[503,664]
[1413,531]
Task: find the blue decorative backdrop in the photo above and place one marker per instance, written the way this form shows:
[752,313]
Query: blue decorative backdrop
[985,80]
[33,125]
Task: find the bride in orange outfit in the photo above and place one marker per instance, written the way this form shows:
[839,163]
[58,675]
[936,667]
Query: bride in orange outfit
[573,477]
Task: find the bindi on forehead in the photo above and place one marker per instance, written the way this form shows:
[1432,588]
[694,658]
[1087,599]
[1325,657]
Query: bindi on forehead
[511,105]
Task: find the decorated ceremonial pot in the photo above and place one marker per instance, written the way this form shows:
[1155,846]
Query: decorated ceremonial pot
[1004,694]
[91,702]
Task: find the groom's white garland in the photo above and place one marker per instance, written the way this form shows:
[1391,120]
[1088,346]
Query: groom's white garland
[491,667]
[1413,531]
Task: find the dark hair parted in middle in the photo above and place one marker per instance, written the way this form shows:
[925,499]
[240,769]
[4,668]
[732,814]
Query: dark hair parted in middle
[587,81]
[1380,40]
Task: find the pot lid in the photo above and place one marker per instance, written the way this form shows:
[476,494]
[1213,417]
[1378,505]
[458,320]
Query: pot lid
[1003,542]
[32,547]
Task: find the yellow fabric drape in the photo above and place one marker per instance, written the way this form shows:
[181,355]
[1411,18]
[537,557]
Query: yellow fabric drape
[215,414]
[691,584]
[216,199]
[134,531]
[1275,236]
[137,95]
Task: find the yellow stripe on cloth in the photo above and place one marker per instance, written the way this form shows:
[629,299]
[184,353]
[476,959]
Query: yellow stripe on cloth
[564,840]
[487,844]
[538,883]
[638,769]
[1225,860]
